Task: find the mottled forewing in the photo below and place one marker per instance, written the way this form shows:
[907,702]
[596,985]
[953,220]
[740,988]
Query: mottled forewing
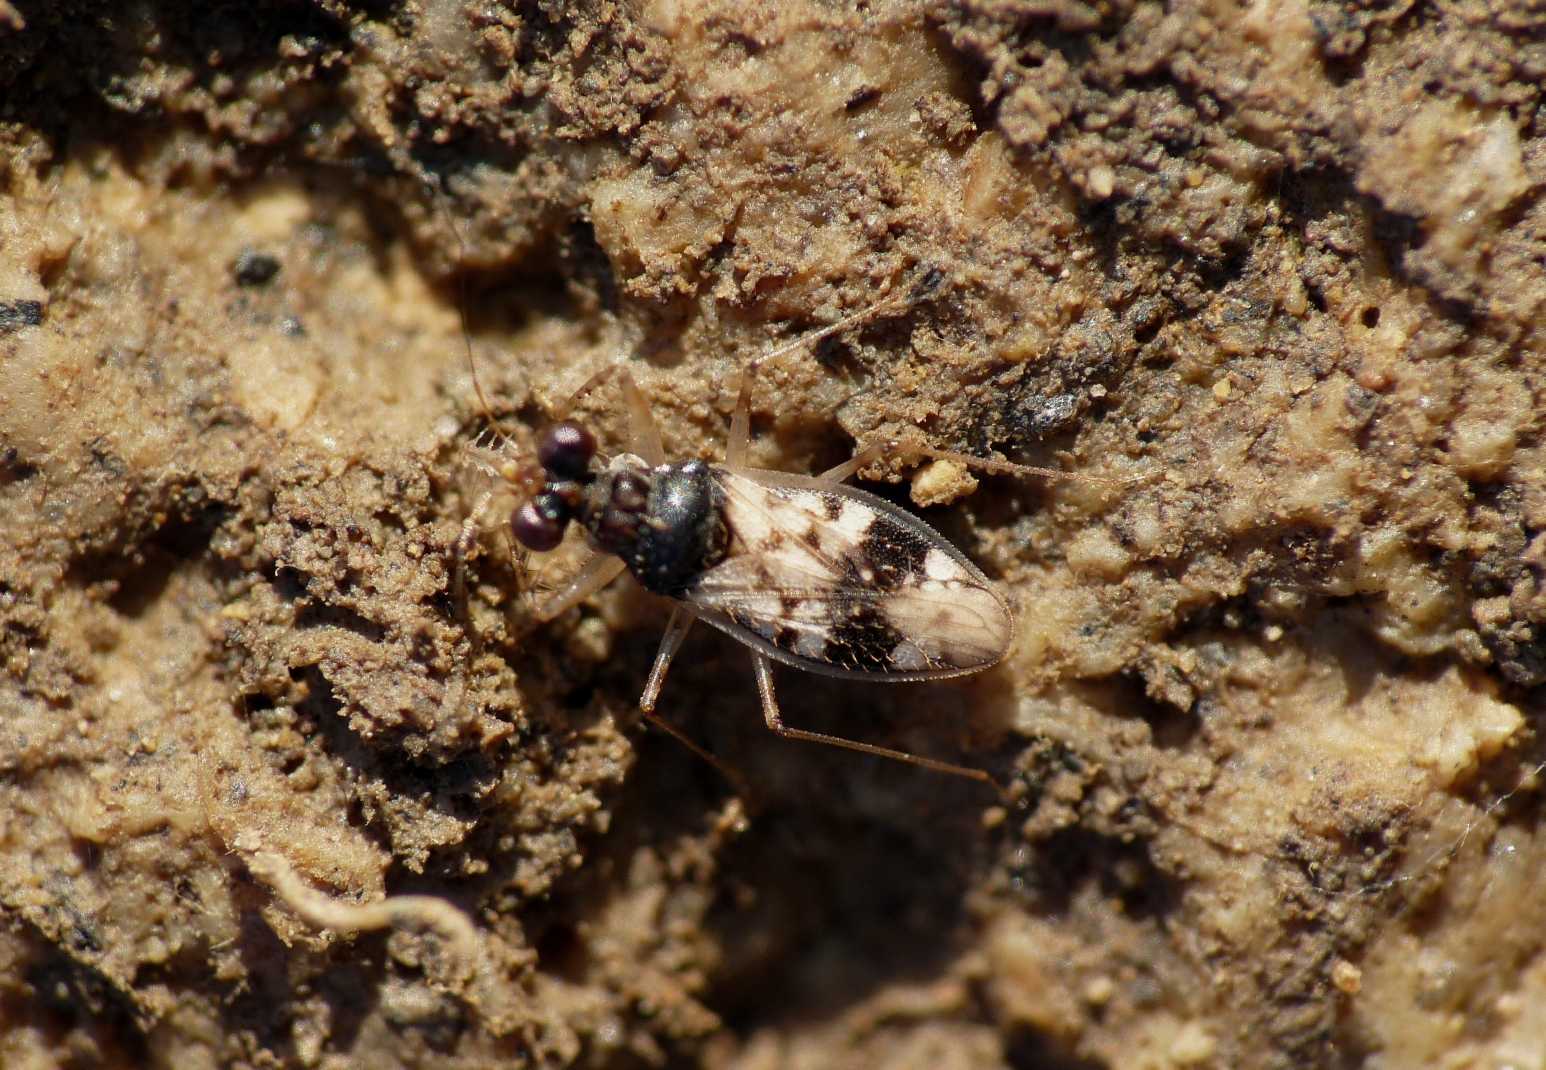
[835,580]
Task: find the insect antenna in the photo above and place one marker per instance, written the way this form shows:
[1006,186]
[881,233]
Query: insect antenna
[905,450]
[525,478]
[740,420]
[864,315]
[920,291]
[437,184]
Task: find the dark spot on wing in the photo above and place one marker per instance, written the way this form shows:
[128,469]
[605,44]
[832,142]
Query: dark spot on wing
[832,505]
[862,639]
[767,629]
[783,636]
[812,538]
[893,553]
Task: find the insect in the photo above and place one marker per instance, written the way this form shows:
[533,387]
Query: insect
[804,571]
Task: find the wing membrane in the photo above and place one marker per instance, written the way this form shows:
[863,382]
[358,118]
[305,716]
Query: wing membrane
[832,579]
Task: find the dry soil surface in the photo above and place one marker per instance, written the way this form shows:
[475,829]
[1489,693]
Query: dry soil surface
[277,791]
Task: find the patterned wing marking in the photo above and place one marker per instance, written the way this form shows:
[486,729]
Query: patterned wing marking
[835,580]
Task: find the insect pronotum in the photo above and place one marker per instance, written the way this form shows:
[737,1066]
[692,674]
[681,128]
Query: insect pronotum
[802,570]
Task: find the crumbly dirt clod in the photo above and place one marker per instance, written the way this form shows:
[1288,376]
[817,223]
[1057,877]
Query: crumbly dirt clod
[287,781]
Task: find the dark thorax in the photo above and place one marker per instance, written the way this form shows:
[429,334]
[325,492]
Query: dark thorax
[666,523]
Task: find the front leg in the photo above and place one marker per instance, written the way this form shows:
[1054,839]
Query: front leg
[643,436]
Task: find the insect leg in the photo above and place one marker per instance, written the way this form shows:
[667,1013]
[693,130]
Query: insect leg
[641,425]
[596,573]
[737,781]
[644,435]
[463,545]
[764,669]
[457,691]
[741,419]
[864,457]
[676,630]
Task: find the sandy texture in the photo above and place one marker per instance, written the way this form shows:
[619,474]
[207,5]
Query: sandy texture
[272,795]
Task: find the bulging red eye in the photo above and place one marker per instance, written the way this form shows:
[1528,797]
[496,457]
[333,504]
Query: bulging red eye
[539,524]
[565,450]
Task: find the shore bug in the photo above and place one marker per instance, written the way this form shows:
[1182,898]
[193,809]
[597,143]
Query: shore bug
[805,571]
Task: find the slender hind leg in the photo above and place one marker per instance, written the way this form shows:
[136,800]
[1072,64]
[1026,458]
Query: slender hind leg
[764,669]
